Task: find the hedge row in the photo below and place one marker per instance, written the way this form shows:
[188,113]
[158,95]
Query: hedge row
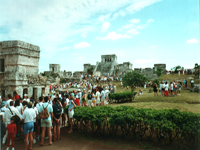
[122,97]
[170,125]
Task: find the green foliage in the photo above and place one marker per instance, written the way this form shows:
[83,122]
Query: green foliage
[197,73]
[122,97]
[175,69]
[133,78]
[90,70]
[62,80]
[165,125]
[155,81]
[159,71]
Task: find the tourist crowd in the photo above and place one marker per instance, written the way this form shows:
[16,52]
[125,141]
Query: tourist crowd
[37,119]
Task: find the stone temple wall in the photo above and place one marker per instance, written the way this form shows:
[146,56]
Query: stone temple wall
[163,66]
[20,62]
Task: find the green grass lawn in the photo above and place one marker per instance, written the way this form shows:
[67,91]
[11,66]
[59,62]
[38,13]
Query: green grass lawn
[185,102]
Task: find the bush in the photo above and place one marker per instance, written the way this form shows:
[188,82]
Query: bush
[167,125]
[122,97]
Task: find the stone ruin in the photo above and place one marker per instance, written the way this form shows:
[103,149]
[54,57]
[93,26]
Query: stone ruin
[19,70]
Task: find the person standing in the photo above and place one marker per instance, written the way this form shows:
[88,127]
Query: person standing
[12,131]
[98,95]
[9,113]
[71,112]
[155,89]
[9,100]
[28,119]
[57,113]
[89,97]
[41,99]
[166,89]
[46,122]
[3,129]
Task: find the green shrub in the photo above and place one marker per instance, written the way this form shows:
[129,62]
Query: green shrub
[122,97]
[155,81]
[165,125]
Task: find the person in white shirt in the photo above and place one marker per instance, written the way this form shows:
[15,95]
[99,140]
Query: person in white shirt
[26,98]
[10,112]
[107,94]
[166,89]
[102,97]
[171,85]
[3,108]
[20,110]
[97,97]
[41,99]
[9,100]
[28,119]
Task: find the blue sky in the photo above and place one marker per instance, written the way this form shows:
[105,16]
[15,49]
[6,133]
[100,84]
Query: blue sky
[74,32]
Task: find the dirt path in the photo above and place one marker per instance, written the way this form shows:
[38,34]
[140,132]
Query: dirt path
[74,142]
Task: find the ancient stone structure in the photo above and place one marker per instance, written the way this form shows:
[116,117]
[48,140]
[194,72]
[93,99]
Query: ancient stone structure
[55,68]
[109,66]
[163,66]
[19,70]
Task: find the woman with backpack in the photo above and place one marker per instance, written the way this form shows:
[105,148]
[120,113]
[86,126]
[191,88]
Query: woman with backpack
[57,113]
[71,111]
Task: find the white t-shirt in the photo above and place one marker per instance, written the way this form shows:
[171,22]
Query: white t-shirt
[107,92]
[19,108]
[38,106]
[171,86]
[98,95]
[36,112]
[8,102]
[28,100]
[166,87]
[29,115]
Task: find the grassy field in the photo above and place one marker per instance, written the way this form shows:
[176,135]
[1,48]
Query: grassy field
[185,102]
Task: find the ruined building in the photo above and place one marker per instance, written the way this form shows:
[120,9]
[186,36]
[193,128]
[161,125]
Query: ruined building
[19,70]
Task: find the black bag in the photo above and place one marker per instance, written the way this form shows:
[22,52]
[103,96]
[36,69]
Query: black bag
[63,100]
[16,118]
[56,109]
[89,96]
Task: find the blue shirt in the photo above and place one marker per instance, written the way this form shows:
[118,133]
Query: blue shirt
[72,94]
[71,105]
[49,108]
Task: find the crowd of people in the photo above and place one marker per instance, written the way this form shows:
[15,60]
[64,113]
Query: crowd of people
[40,119]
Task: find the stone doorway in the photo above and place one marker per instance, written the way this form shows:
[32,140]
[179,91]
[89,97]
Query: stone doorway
[25,91]
[3,93]
[43,91]
[35,94]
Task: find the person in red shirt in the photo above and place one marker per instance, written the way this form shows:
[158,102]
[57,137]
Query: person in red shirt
[12,131]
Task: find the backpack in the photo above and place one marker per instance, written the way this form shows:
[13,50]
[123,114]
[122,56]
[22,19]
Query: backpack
[89,96]
[16,118]
[56,109]
[44,114]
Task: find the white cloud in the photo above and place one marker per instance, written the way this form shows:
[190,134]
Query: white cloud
[135,20]
[144,61]
[84,35]
[133,31]
[191,41]
[150,20]
[114,36]
[105,26]
[81,45]
[80,58]
[128,26]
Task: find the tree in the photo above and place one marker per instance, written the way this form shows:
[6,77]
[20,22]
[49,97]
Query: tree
[133,79]
[175,69]
[159,71]
[90,70]
[155,81]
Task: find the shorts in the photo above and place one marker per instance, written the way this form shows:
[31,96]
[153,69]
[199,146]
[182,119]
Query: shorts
[179,89]
[71,113]
[98,101]
[28,127]
[55,123]
[163,89]
[106,97]
[46,123]
[171,90]
[174,89]
[90,102]
[39,122]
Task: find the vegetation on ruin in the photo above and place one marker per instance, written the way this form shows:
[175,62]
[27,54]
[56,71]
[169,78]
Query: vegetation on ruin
[90,70]
[159,71]
[54,75]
